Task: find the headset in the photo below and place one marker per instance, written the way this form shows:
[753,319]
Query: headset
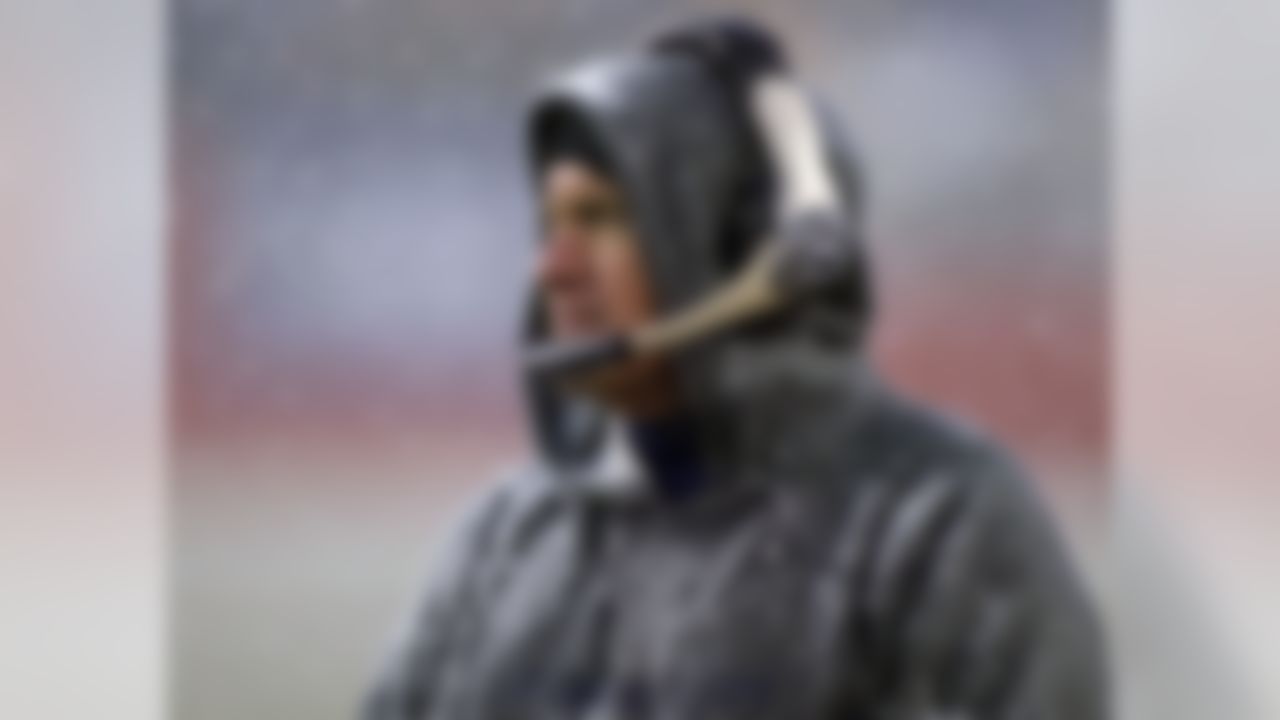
[809,249]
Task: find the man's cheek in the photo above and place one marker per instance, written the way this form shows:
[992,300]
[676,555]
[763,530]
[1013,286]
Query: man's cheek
[629,306]
[621,295]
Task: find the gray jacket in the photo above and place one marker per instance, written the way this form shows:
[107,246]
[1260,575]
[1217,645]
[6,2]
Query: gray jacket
[856,556]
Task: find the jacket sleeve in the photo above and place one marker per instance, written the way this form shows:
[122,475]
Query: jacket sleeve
[406,685]
[973,610]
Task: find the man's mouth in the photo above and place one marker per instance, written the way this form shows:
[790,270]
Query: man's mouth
[579,320]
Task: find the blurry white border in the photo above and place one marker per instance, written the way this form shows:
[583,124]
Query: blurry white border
[1197,371]
[81,365]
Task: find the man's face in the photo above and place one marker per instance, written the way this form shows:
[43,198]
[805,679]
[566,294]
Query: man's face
[592,276]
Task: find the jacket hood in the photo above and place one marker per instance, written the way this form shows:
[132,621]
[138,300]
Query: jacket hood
[685,154]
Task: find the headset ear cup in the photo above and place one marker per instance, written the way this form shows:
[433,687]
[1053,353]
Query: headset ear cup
[839,315]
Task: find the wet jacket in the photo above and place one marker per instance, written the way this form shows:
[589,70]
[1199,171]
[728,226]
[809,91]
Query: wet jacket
[852,555]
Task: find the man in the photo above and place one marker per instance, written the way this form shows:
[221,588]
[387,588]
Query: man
[753,526]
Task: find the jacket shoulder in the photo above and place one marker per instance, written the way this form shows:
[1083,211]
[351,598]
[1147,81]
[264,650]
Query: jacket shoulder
[477,544]
[920,435]
[945,486]
[962,572]
[494,522]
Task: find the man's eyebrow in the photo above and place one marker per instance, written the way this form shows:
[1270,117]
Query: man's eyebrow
[590,205]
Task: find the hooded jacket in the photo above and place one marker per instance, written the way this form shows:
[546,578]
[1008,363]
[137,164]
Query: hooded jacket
[852,555]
